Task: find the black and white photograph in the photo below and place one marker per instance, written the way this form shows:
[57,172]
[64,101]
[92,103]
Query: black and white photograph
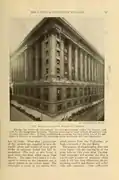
[57,68]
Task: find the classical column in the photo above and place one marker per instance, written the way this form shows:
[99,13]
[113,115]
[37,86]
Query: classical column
[97,72]
[81,65]
[64,97]
[89,70]
[23,66]
[52,99]
[103,74]
[94,70]
[26,63]
[30,67]
[37,61]
[100,73]
[52,57]
[62,59]
[18,68]
[42,59]
[13,71]
[87,67]
[70,60]
[22,73]
[85,64]
[76,64]
[102,77]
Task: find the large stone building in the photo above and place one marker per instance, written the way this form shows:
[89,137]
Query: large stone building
[55,69]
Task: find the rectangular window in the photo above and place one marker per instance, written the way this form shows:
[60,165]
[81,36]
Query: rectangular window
[47,53]
[59,107]
[46,77]
[58,44]
[68,92]
[46,94]
[45,107]
[58,61]
[46,70]
[59,93]
[58,53]
[58,35]
[58,70]
[28,91]
[75,92]
[38,93]
[58,77]
[66,70]
[88,91]
[85,91]
[80,91]
[65,50]
[65,58]
[31,92]
[47,61]
[46,44]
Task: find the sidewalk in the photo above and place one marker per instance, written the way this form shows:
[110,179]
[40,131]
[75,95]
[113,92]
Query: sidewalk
[38,116]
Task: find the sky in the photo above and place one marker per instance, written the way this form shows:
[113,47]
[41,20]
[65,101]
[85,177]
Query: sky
[92,29]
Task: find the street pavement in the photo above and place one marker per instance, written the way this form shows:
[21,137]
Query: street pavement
[16,115]
[91,114]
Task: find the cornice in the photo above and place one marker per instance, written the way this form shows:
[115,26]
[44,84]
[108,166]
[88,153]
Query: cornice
[66,25]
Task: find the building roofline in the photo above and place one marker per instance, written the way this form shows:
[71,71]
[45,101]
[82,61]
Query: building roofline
[65,22]
[82,37]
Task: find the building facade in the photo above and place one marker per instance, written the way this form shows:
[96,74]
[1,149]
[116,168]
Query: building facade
[55,70]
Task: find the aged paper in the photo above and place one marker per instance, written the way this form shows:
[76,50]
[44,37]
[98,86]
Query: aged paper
[26,15]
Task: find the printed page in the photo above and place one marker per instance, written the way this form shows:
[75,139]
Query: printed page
[57,77]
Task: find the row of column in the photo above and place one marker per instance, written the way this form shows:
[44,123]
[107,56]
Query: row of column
[86,67]
[29,60]
[90,69]
[22,66]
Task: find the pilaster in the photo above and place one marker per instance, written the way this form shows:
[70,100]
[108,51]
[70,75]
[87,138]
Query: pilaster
[30,59]
[70,60]
[26,64]
[52,57]
[42,59]
[62,59]
[52,98]
[76,64]
[37,62]
[89,70]
[92,68]
[81,65]
[85,64]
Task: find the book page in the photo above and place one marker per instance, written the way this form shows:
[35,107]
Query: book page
[59,99]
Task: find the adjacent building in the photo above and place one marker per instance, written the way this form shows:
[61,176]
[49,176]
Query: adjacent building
[55,69]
